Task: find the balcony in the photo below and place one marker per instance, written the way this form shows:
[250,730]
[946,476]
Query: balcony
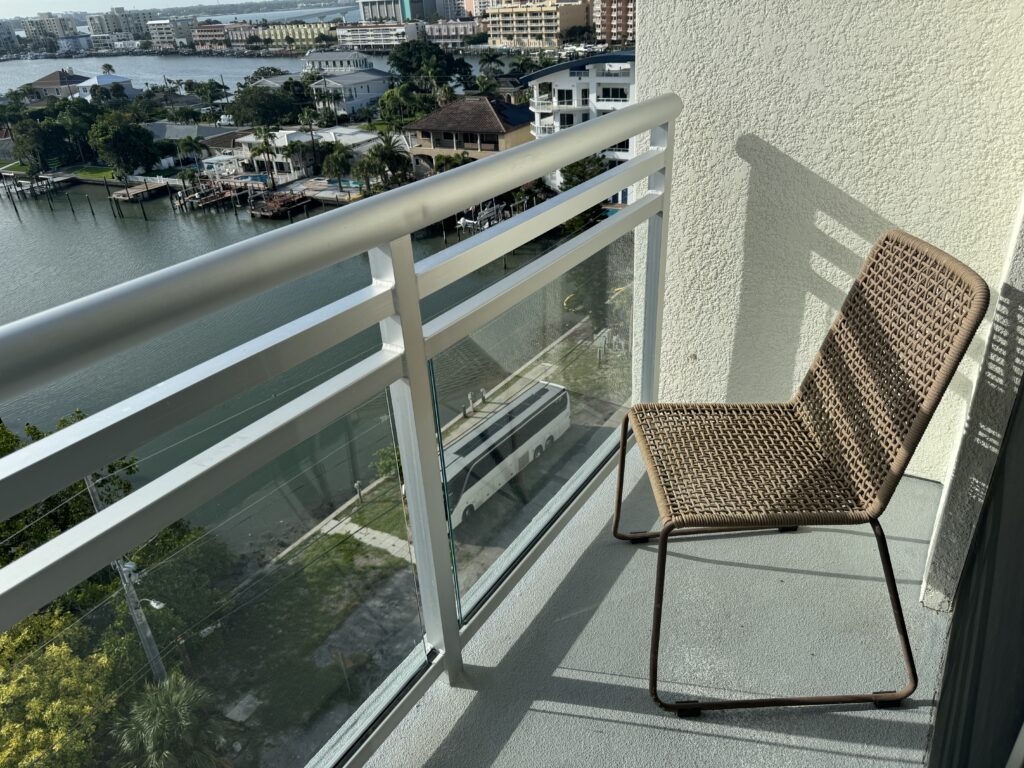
[542,104]
[303,548]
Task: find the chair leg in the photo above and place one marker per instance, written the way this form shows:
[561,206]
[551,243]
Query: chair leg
[693,708]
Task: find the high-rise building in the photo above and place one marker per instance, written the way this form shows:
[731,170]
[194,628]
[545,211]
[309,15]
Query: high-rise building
[174,32]
[48,25]
[540,24]
[8,38]
[380,10]
[613,20]
[121,24]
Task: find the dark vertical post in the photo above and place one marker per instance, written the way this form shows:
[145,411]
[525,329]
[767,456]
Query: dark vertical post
[70,204]
[91,210]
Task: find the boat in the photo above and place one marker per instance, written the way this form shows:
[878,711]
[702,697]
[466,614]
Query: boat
[280,206]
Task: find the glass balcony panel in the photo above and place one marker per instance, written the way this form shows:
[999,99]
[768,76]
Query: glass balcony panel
[285,602]
[527,406]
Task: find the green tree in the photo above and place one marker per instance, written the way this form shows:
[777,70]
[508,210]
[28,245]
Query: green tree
[524,64]
[486,85]
[262,106]
[392,160]
[366,169]
[209,90]
[308,120]
[491,63]
[190,146]
[267,147]
[77,117]
[338,163]
[387,463]
[122,144]
[444,162]
[173,724]
[261,72]
[579,34]
[426,64]
[107,69]
[54,703]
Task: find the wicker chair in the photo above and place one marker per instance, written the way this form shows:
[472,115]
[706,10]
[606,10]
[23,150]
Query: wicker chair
[835,452]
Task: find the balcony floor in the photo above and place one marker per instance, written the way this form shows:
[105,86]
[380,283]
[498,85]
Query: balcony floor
[557,675]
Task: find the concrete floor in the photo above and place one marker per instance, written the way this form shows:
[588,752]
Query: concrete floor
[558,674]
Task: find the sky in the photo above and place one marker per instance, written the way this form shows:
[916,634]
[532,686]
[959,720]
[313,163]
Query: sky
[9,8]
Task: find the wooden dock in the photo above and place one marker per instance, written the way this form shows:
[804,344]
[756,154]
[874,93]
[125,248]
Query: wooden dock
[142,191]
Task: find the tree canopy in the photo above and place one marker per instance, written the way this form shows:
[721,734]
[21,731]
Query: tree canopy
[427,65]
[122,144]
[263,106]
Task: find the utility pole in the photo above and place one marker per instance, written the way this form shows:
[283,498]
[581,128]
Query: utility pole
[156,664]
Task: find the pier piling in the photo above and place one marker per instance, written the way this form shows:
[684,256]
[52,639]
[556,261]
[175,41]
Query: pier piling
[70,204]
[89,201]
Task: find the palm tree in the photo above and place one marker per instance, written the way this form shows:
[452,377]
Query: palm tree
[339,162]
[365,169]
[444,94]
[173,723]
[188,177]
[392,157]
[307,119]
[491,63]
[443,163]
[524,64]
[266,147]
[295,151]
[107,69]
[190,146]
[486,85]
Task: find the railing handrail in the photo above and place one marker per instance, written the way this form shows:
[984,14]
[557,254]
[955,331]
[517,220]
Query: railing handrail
[62,339]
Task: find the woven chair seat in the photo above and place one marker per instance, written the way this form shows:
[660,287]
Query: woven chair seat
[739,465]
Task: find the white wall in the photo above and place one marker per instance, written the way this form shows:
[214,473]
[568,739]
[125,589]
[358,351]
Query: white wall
[808,129]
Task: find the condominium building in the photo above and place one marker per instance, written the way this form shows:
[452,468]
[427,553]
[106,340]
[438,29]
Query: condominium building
[573,92]
[378,37]
[210,37]
[296,33]
[380,10]
[613,20]
[517,24]
[8,38]
[449,34]
[121,24]
[174,32]
[48,25]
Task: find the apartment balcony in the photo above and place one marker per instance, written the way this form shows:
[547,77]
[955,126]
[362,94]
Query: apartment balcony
[378,532]
[543,128]
[541,104]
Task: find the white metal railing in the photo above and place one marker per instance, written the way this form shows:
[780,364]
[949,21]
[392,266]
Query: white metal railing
[57,341]
[541,104]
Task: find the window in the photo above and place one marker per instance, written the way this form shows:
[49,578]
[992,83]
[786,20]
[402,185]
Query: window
[584,95]
[565,121]
[564,97]
[613,94]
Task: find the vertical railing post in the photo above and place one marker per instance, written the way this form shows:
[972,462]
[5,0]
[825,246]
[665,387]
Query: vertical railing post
[412,406]
[654,272]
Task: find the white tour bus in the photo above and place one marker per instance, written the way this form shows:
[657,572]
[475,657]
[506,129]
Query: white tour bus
[481,461]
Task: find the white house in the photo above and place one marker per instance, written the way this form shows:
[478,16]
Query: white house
[576,91]
[292,164]
[346,92]
[335,62]
[105,82]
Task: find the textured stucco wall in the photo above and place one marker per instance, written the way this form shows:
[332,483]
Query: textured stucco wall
[808,129]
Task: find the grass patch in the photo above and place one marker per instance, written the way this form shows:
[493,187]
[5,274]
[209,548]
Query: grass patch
[16,168]
[382,510]
[268,642]
[91,171]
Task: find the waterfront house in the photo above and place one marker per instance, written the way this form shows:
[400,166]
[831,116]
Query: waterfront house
[289,164]
[344,93]
[106,82]
[60,84]
[573,92]
[379,38]
[478,126]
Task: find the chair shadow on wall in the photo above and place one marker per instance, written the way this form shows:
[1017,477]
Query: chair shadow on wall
[789,261]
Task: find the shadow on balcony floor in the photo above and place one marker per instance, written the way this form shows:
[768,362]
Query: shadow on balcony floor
[557,675]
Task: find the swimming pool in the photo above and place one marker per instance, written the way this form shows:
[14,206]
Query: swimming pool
[253,177]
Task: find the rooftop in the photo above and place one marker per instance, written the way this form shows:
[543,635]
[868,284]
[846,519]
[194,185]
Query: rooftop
[475,113]
[619,57]
[61,77]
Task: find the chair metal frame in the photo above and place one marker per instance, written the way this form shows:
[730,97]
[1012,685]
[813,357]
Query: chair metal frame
[693,707]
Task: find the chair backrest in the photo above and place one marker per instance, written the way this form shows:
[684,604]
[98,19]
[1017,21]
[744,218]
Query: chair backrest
[887,360]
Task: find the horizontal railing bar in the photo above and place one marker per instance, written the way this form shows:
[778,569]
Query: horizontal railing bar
[44,467]
[457,261]
[57,341]
[50,570]
[457,323]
